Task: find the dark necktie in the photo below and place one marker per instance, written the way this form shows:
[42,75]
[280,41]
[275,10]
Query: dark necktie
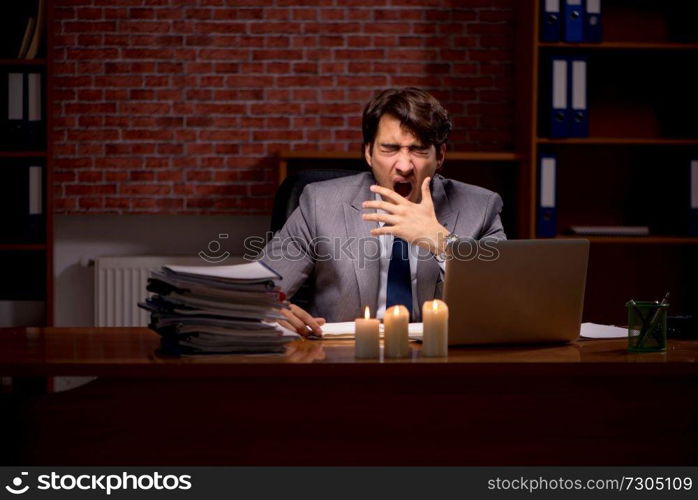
[399,277]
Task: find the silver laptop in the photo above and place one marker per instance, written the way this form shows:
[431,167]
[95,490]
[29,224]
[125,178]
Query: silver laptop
[517,291]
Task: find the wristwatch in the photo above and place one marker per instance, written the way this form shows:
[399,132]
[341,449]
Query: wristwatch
[451,239]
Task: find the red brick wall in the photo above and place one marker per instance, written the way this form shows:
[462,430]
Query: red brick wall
[178,106]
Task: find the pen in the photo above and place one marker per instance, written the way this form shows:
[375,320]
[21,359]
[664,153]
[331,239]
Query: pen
[649,327]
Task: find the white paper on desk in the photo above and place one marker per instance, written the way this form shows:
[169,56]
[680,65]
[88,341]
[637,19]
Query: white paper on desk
[345,330]
[414,330]
[596,331]
[285,332]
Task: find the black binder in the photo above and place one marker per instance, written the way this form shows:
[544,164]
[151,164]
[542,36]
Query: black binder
[592,21]
[22,200]
[550,20]
[546,213]
[21,109]
[693,200]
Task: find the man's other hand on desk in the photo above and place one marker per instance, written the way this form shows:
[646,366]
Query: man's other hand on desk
[301,322]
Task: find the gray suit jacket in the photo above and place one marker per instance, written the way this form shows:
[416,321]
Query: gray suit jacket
[325,239]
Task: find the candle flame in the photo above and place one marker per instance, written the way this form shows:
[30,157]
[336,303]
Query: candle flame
[367,313]
[434,305]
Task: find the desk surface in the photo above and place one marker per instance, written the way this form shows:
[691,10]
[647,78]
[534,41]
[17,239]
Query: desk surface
[585,403]
[135,352]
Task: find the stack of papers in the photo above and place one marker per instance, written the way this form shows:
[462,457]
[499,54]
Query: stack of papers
[217,309]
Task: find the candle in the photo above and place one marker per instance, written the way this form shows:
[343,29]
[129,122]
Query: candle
[435,336]
[366,336]
[395,338]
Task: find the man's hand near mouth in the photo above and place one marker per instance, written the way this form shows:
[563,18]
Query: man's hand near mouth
[415,223]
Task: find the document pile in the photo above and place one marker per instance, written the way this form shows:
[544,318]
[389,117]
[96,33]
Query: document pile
[217,309]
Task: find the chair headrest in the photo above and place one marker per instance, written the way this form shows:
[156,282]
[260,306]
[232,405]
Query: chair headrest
[289,192]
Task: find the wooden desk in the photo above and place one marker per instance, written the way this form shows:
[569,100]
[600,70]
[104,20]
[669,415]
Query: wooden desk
[587,403]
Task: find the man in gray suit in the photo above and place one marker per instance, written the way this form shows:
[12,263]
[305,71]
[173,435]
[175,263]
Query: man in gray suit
[381,238]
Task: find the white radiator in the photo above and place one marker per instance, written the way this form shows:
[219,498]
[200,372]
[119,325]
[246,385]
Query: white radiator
[120,284]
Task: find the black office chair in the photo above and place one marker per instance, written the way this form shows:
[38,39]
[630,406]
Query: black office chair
[286,201]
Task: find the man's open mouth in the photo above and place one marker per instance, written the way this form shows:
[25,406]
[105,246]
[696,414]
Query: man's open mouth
[403,188]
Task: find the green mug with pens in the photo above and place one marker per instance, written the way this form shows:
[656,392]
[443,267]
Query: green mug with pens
[647,325]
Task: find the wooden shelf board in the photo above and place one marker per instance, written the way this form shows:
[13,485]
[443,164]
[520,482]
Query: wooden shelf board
[485,156]
[23,62]
[320,155]
[649,141]
[22,246]
[621,45]
[23,154]
[636,240]
[493,156]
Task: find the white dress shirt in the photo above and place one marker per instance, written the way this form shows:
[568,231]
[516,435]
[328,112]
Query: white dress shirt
[386,241]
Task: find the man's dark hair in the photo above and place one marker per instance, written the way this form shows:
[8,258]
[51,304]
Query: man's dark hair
[418,111]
